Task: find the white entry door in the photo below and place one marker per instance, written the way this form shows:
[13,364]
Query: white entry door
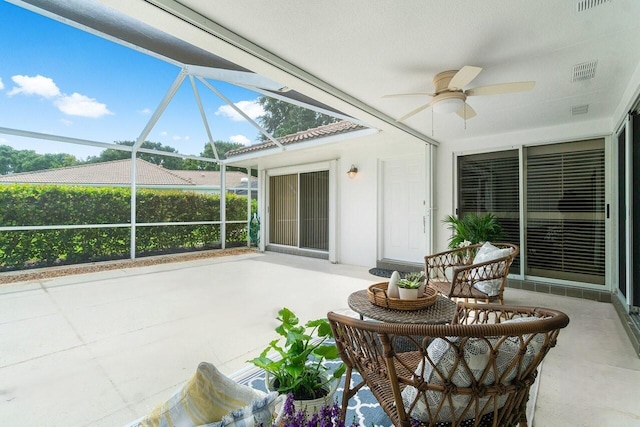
[403,209]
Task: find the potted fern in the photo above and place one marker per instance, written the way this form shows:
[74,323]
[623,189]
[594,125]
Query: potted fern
[473,228]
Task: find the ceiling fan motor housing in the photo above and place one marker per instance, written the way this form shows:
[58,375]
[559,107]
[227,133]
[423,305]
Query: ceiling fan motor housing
[441,80]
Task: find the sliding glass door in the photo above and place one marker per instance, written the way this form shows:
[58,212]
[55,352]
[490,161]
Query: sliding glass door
[488,183]
[563,205]
[565,194]
[283,210]
[299,210]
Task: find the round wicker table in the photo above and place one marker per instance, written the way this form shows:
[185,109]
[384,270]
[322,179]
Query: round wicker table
[439,313]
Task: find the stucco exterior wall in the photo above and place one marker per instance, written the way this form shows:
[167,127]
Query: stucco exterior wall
[359,197]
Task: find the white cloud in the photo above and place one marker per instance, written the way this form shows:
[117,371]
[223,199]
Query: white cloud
[66,122]
[180,138]
[37,85]
[145,111]
[251,108]
[240,139]
[1,84]
[3,140]
[164,133]
[81,105]
[75,104]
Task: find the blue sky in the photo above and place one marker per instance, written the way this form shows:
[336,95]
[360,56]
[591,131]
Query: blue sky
[59,80]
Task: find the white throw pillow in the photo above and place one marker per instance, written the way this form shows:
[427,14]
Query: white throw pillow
[476,356]
[488,252]
[538,339]
[211,397]
[510,347]
[442,353]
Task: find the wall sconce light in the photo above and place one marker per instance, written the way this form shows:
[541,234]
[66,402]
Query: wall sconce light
[352,171]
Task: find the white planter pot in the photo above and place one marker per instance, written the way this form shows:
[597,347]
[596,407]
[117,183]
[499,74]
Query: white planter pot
[408,293]
[312,405]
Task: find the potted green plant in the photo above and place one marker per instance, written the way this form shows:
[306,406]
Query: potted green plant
[473,228]
[297,366]
[410,285]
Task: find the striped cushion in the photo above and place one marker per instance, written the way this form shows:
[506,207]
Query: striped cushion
[208,397]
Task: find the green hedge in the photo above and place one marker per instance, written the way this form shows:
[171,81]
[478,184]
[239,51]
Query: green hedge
[32,205]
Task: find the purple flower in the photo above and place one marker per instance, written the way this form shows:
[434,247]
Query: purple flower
[327,416]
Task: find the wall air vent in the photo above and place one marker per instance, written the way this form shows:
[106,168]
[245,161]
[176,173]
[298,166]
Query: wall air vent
[584,71]
[583,5]
[579,109]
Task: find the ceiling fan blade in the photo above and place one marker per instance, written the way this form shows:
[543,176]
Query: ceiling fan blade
[466,112]
[463,77]
[400,95]
[414,112]
[500,88]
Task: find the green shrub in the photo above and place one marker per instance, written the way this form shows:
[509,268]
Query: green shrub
[38,205]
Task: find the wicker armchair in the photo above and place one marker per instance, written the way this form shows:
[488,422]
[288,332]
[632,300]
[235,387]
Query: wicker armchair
[476,371]
[453,274]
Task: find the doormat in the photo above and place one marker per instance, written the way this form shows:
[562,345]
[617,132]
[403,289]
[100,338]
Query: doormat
[384,272]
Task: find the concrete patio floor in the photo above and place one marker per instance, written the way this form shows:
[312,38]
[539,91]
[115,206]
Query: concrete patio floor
[102,349]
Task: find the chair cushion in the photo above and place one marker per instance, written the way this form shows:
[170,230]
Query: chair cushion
[538,339]
[442,353]
[477,352]
[258,413]
[488,252]
[211,397]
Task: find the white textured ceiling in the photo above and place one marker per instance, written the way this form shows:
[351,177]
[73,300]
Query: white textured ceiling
[372,48]
[364,49]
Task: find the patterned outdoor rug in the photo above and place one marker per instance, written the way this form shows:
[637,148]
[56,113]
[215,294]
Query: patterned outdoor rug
[363,408]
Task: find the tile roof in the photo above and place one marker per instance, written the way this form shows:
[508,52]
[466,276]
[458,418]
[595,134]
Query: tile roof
[234,178]
[302,136]
[118,172]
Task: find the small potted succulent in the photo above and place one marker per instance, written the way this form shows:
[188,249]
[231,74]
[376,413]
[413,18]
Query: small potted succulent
[411,286]
[297,366]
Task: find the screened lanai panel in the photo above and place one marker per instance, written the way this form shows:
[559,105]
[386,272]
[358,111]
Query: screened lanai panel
[283,210]
[488,183]
[314,210]
[566,211]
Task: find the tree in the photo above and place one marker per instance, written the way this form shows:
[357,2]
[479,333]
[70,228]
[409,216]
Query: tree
[222,147]
[16,161]
[167,162]
[281,118]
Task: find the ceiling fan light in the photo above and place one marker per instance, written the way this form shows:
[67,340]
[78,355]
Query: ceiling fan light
[448,105]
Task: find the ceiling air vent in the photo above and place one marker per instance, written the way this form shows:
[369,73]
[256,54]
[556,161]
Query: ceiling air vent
[583,5]
[579,109]
[584,71]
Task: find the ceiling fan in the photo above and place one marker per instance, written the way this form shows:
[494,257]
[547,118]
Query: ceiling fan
[449,95]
